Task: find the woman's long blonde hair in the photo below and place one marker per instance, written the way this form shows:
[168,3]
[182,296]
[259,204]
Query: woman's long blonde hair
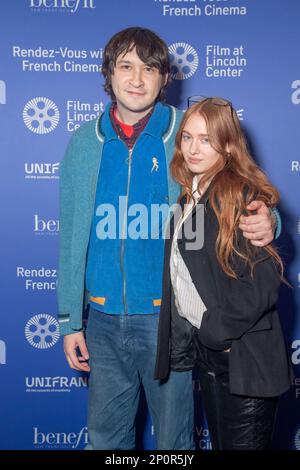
[235,178]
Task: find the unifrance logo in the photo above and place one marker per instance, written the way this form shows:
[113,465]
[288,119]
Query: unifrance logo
[184,60]
[42,171]
[68,6]
[41,115]
[2,353]
[42,331]
[55,384]
[2,92]
[297,440]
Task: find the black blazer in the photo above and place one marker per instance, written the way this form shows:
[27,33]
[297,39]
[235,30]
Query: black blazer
[241,315]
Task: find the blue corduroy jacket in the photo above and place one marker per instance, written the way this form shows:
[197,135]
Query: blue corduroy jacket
[78,187]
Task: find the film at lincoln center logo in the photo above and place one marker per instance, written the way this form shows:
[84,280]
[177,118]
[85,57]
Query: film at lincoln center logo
[41,115]
[183,59]
[42,331]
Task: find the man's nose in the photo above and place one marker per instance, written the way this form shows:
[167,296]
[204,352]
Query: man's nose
[137,77]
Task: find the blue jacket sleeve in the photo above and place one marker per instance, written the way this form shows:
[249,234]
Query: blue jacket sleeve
[66,212]
[278,227]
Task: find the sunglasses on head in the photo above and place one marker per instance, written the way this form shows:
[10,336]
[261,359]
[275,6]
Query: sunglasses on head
[212,99]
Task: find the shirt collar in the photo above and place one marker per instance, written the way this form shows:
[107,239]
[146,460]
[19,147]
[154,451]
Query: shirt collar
[137,128]
[156,126]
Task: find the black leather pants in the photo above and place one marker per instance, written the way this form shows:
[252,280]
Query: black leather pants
[235,422]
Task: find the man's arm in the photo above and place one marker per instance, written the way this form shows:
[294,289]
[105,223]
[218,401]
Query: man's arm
[73,340]
[245,302]
[71,343]
[260,227]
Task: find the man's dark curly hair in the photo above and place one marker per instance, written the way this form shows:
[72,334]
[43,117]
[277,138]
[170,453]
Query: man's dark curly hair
[150,48]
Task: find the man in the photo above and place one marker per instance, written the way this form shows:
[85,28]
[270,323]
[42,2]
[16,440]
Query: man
[120,160]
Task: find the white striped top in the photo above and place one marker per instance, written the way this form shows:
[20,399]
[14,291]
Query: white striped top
[187,299]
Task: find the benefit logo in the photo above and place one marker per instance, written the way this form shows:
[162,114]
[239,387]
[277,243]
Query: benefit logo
[67,6]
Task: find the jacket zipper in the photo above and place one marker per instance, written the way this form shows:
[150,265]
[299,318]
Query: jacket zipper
[93,197]
[125,228]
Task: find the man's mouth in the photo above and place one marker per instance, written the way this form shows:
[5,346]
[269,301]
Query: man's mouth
[135,93]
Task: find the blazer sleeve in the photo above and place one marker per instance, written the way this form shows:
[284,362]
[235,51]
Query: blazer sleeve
[243,301]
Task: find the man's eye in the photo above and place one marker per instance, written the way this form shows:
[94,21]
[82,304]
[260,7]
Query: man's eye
[149,69]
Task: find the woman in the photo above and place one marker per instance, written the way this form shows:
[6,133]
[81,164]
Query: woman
[219,300]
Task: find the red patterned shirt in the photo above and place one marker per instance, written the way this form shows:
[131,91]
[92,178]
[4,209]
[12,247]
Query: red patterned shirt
[126,132]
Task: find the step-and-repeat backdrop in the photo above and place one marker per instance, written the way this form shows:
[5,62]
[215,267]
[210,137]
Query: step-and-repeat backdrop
[50,84]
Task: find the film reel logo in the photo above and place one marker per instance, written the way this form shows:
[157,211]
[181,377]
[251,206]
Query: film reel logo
[183,59]
[41,115]
[42,331]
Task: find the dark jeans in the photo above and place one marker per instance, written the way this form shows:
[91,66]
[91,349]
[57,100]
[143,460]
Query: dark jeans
[235,422]
[122,358]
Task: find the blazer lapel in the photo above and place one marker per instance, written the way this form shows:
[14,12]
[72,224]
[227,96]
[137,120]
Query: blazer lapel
[198,261]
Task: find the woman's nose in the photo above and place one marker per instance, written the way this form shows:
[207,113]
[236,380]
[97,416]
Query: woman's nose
[194,147]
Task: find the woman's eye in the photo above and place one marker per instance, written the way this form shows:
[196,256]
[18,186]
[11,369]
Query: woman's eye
[205,140]
[185,137]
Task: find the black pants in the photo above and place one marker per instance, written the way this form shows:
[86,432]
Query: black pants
[235,422]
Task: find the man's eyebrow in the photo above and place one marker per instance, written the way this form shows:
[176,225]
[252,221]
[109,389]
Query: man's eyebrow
[124,61]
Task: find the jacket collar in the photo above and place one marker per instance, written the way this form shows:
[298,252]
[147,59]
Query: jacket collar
[157,126]
[204,199]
